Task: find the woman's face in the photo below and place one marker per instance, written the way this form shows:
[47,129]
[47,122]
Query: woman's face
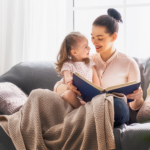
[102,40]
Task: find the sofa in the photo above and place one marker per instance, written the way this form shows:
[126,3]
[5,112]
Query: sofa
[33,75]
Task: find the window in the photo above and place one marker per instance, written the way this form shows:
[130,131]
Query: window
[134,33]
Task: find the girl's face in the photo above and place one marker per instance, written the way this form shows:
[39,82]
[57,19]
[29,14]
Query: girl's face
[82,51]
[102,40]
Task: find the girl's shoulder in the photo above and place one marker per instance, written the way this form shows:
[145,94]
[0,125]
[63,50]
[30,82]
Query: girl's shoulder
[67,66]
[68,63]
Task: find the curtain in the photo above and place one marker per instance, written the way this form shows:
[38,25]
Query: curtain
[30,30]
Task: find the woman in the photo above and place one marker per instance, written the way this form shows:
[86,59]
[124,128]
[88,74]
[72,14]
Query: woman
[113,67]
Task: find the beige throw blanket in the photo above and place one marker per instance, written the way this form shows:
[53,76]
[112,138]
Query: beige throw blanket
[46,121]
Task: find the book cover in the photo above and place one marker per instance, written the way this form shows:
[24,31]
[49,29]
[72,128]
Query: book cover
[89,90]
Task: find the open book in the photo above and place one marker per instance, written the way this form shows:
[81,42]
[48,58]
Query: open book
[88,89]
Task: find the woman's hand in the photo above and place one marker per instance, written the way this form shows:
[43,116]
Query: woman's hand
[70,86]
[137,94]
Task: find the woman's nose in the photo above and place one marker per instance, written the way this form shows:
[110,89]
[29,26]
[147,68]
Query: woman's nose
[94,42]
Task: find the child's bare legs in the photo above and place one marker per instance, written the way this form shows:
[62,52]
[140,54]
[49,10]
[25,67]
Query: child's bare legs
[71,97]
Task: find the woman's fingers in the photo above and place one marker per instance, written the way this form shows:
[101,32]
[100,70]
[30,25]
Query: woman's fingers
[77,92]
[138,91]
[73,88]
[71,81]
[136,95]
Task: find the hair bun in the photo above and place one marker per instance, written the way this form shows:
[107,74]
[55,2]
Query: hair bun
[115,14]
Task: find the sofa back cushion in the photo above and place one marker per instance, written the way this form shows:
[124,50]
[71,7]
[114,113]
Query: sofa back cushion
[144,66]
[32,75]
[144,112]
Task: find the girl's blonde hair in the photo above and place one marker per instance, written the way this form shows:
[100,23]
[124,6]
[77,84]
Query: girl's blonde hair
[70,42]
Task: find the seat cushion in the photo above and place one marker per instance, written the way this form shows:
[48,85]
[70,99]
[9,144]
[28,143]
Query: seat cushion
[5,141]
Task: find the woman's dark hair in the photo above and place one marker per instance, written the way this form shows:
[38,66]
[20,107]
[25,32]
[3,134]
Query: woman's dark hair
[109,21]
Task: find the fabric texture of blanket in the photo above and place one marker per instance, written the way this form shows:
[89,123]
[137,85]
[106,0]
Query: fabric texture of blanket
[46,121]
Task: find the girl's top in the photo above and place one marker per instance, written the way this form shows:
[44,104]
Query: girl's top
[83,69]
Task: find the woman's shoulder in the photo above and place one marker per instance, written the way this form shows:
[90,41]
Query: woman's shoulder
[125,57]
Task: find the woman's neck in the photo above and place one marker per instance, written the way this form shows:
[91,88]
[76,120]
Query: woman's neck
[107,54]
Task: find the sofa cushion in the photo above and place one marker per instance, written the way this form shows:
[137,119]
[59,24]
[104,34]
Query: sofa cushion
[144,66]
[5,141]
[32,75]
[11,98]
[144,112]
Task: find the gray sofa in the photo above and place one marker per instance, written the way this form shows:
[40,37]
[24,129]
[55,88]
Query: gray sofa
[33,75]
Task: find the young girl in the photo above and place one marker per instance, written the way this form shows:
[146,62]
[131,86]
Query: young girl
[74,57]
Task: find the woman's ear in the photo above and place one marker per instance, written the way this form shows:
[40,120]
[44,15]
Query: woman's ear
[114,36]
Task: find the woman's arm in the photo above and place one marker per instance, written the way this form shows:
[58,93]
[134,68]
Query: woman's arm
[137,95]
[95,77]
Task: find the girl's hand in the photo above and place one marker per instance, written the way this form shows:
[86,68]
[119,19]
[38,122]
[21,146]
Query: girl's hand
[70,86]
[137,94]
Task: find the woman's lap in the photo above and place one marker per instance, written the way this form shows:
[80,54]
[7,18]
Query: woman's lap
[121,112]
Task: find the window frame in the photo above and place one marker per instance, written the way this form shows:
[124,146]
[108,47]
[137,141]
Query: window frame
[71,9]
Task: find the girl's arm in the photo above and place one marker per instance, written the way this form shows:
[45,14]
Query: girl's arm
[67,76]
[60,87]
[95,77]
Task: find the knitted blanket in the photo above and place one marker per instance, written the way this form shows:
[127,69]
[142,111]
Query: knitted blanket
[46,121]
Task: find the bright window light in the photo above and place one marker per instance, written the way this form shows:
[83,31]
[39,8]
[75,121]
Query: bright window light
[134,34]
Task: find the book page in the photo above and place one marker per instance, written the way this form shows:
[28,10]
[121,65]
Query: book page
[92,84]
[120,85]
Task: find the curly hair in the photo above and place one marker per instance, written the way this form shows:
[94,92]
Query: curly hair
[70,42]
